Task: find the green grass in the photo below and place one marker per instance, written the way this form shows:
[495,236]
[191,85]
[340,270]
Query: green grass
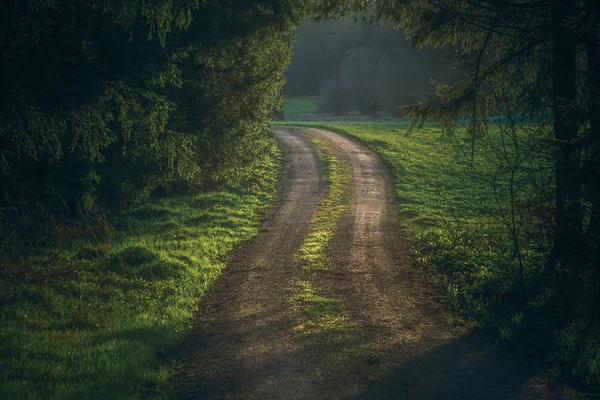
[100,317]
[321,317]
[316,306]
[299,106]
[321,314]
[338,178]
[445,211]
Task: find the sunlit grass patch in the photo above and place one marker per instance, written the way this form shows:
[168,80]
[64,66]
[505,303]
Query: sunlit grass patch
[312,253]
[100,318]
[320,314]
[316,306]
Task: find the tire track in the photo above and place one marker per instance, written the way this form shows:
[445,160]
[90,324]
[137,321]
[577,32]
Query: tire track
[241,346]
[401,344]
[406,347]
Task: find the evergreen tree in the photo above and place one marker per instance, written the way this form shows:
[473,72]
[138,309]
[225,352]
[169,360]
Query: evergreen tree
[107,101]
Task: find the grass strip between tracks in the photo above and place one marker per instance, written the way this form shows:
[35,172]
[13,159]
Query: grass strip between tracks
[322,314]
[312,253]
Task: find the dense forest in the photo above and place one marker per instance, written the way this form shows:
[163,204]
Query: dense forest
[108,102]
[362,67]
[109,105]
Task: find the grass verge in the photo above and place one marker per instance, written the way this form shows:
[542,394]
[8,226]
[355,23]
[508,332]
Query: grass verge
[99,317]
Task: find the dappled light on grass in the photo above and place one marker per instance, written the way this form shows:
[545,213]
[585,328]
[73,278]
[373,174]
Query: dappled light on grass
[317,313]
[320,315]
[332,207]
[101,318]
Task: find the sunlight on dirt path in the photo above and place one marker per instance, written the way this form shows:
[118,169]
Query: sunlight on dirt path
[405,346]
[241,345]
[390,340]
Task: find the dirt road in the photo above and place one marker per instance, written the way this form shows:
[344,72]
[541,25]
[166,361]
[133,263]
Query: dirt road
[396,342]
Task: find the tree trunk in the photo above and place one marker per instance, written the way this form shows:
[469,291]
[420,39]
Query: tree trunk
[568,188]
[593,166]
[593,84]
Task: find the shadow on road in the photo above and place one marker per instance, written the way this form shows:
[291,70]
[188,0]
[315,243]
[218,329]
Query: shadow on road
[462,369]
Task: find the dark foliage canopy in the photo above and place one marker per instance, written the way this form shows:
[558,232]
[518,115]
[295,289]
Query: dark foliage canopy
[108,101]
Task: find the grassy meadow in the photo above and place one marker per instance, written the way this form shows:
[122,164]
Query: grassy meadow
[299,106]
[99,316]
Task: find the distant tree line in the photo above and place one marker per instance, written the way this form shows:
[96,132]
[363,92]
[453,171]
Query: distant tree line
[106,102]
[361,67]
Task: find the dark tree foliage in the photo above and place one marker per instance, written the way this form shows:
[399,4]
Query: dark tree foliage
[108,101]
[361,67]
